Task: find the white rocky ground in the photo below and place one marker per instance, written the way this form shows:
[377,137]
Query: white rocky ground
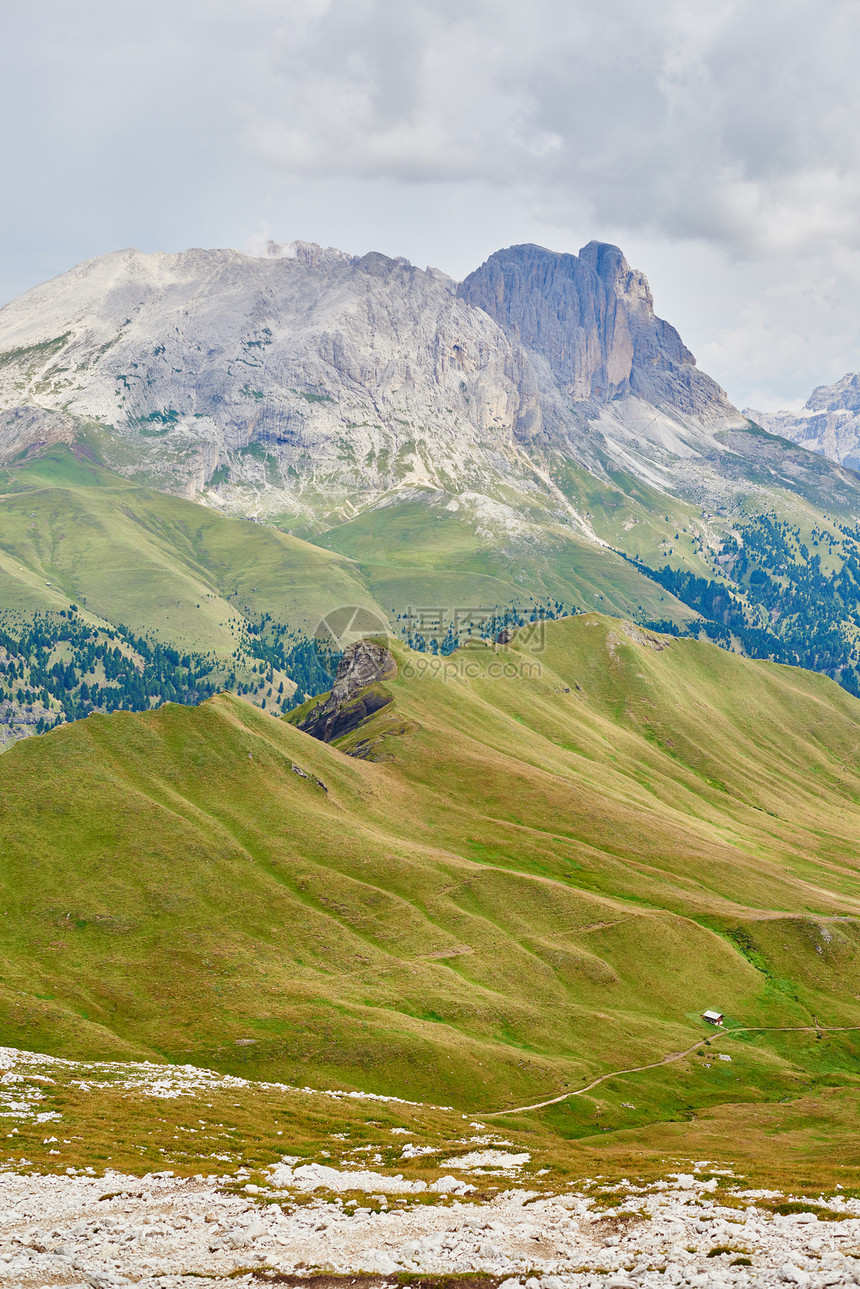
[114,1230]
[94,1232]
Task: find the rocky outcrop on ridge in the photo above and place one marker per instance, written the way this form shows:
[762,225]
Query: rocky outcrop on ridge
[828,424]
[356,694]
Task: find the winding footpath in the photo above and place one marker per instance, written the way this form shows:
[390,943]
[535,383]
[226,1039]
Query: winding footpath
[675,1056]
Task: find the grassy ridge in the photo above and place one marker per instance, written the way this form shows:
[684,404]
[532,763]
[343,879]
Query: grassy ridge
[552,875]
[72,531]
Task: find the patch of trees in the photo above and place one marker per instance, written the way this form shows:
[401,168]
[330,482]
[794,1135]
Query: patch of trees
[441,631]
[778,601]
[311,664]
[72,668]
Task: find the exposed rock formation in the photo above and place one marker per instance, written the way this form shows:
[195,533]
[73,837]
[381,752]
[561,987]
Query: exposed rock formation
[26,431]
[828,424]
[309,385]
[591,317]
[309,375]
[356,694]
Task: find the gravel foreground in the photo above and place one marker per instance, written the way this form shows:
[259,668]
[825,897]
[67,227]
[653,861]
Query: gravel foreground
[96,1233]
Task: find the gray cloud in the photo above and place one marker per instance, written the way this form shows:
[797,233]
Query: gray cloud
[732,122]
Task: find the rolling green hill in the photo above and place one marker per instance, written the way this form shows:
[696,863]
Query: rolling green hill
[770,569]
[784,583]
[72,531]
[185,601]
[230,603]
[535,868]
[412,555]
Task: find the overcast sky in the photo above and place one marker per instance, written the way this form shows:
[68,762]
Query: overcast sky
[716,141]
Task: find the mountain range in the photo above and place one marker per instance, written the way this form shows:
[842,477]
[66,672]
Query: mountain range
[509,848]
[829,422]
[313,385]
[534,439]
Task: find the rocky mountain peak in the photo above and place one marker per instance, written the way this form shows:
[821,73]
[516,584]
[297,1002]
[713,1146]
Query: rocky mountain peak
[307,252]
[611,267]
[844,395]
[591,318]
[829,423]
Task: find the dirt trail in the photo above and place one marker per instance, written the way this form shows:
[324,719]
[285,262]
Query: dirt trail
[674,1056]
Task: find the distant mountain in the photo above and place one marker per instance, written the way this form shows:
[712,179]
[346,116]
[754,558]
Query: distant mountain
[312,384]
[302,385]
[829,422]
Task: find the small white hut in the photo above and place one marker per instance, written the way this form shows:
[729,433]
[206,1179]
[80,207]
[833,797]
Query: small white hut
[713,1018]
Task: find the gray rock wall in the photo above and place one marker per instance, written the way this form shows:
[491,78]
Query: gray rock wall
[591,317]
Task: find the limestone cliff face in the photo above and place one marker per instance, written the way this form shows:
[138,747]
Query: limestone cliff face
[298,377]
[829,423]
[591,318]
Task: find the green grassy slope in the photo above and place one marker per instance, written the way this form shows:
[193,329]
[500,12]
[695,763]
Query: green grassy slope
[554,863]
[413,555]
[72,531]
